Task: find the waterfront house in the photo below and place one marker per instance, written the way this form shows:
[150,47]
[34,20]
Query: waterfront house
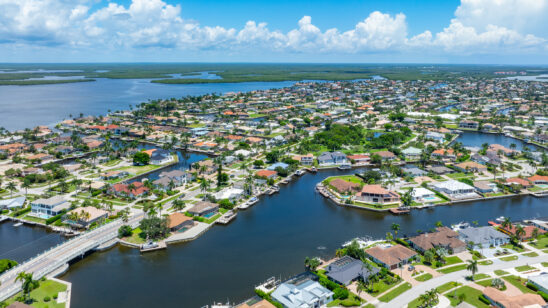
[84,216]
[209,166]
[541,138]
[447,154]
[114,174]
[347,269]
[332,158]
[540,281]
[179,222]
[386,155]
[500,148]
[468,124]
[342,186]
[470,166]
[358,158]
[454,189]
[541,223]
[443,237]
[277,165]
[204,208]
[377,194]
[538,179]
[414,171]
[439,169]
[13,203]
[519,181]
[232,194]
[306,160]
[267,174]
[503,300]
[391,257]
[421,194]
[528,229]
[47,208]
[303,293]
[411,153]
[486,236]
[159,156]
[179,177]
[440,138]
[485,187]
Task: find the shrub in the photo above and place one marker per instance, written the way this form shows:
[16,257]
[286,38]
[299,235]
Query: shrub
[124,231]
[328,283]
[484,300]
[350,302]
[53,219]
[47,299]
[532,287]
[340,293]
[544,295]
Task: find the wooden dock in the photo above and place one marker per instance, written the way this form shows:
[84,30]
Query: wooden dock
[161,245]
[226,218]
[399,211]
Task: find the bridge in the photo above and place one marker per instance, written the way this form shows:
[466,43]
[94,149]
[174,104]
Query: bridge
[60,255]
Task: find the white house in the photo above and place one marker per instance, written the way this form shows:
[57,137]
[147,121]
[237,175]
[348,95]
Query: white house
[454,188]
[47,208]
[421,194]
[231,194]
[412,153]
[308,294]
[435,136]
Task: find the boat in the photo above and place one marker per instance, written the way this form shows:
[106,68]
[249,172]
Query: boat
[18,224]
[500,219]
[460,226]
[253,200]
[344,167]
[226,218]
[299,172]
[314,169]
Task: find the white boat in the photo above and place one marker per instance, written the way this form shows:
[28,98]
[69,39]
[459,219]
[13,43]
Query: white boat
[253,200]
[500,219]
[344,167]
[460,226]
[299,172]
[18,224]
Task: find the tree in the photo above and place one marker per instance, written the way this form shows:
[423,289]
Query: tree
[11,187]
[204,185]
[407,199]
[124,231]
[28,283]
[472,266]
[26,186]
[429,256]
[141,158]
[395,227]
[506,223]
[311,264]
[154,228]
[178,204]
[376,159]
[520,232]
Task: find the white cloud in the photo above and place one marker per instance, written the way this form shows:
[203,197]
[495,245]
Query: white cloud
[479,26]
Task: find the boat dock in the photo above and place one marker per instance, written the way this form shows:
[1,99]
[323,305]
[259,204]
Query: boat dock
[155,246]
[226,218]
[400,211]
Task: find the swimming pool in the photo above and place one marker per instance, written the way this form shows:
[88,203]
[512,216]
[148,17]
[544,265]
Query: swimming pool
[430,198]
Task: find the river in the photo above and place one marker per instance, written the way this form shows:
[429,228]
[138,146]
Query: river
[28,106]
[270,239]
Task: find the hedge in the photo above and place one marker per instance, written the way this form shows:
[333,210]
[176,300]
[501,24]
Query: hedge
[484,300]
[23,211]
[53,219]
[532,286]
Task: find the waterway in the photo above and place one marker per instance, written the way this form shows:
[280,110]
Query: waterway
[27,106]
[476,139]
[23,242]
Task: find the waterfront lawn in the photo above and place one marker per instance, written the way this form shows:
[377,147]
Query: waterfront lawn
[424,277]
[348,178]
[34,219]
[501,272]
[135,238]
[531,254]
[471,297]
[47,288]
[509,258]
[519,283]
[395,292]
[452,269]
[525,268]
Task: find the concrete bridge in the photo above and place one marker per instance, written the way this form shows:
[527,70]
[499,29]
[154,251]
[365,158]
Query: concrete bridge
[60,255]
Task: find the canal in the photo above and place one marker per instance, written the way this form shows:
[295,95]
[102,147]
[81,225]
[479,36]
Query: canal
[476,139]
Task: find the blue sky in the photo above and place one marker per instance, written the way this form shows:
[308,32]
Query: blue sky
[448,31]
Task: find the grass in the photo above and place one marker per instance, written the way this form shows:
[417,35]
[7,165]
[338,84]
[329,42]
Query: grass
[448,286]
[47,288]
[471,297]
[113,162]
[481,276]
[531,254]
[452,260]
[540,243]
[519,283]
[424,277]
[459,175]
[395,292]
[509,258]
[380,287]
[486,262]
[501,272]
[352,301]
[525,268]
[34,219]
[487,283]
[453,269]
[135,238]
[348,178]
[513,247]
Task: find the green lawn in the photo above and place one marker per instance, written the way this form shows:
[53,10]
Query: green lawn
[452,260]
[509,258]
[34,219]
[135,238]
[352,301]
[525,268]
[47,288]
[487,283]
[531,254]
[519,283]
[380,287]
[113,162]
[348,178]
[471,297]
[459,175]
[486,262]
[452,269]
[540,243]
[448,286]
[516,248]
[501,272]
[481,276]
[424,277]
[395,292]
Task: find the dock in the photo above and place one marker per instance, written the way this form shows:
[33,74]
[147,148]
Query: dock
[226,218]
[159,245]
[399,211]
[2,218]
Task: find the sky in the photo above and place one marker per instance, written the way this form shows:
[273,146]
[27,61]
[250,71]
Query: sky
[351,31]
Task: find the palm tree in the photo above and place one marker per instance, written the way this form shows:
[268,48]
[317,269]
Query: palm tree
[11,187]
[25,185]
[395,227]
[472,267]
[439,224]
[204,185]
[507,223]
[520,232]
[28,284]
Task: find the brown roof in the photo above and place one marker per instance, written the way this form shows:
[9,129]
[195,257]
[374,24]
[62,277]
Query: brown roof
[177,219]
[202,206]
[375,189]
[266,173]
[385,154]
[517,301]
[391,255]
[342,186]
[442,237]
[260,304]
